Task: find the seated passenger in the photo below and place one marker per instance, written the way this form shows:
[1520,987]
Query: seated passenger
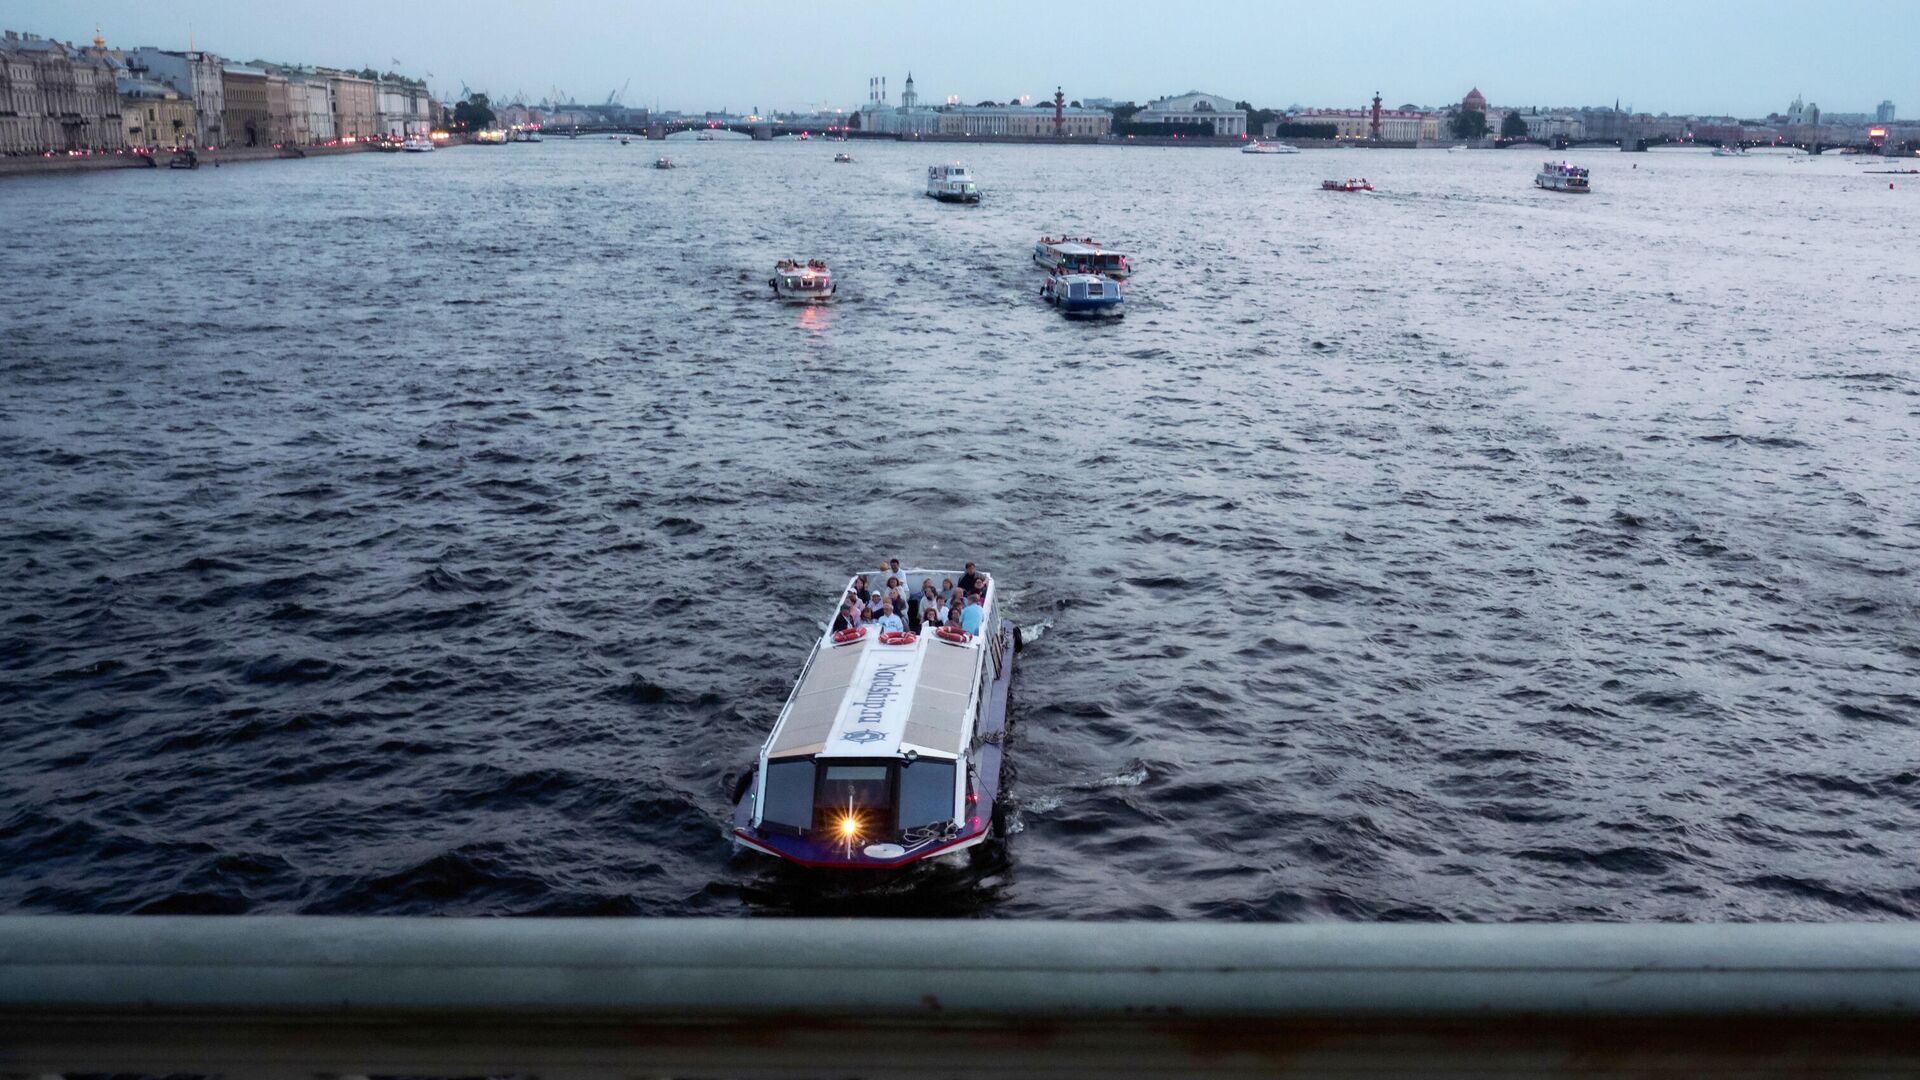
[969,581]
[972,615]
[849,617]
[876,605]
[946,590]
[890,624]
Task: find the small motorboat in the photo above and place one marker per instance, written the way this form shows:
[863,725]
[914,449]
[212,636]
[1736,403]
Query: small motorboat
[843,158]
[705,136]
[664,163]
[1084,296]
[1258,147]
[1562,176]
[1361,184]
[1729,151]
[417,144]
[803,283]
[183,159]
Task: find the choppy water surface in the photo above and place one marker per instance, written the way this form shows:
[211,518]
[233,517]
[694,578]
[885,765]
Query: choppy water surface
[441,533]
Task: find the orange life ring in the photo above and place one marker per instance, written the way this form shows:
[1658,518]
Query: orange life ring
[898,637]
[851,633]
[948,633]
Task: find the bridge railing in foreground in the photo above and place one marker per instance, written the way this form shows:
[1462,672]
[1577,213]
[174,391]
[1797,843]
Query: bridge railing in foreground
[292,996]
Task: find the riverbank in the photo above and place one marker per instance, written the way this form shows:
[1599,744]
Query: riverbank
[233,155]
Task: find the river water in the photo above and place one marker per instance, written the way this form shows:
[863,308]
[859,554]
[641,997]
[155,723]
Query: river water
[441,533]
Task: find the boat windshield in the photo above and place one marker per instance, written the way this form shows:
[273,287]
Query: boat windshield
[789,797]
[926,793]
[863,788]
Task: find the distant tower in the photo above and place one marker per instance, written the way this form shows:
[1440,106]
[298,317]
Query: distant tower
[908,97]
[1059,113]
[1376,116]
[1883,114]
[1797,112]
[99,42]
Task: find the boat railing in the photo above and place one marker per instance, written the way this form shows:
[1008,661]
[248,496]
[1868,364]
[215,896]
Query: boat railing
[311,996]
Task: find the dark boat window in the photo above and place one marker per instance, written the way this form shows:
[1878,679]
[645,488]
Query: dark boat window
[926,793]
[789,801]
[865,785]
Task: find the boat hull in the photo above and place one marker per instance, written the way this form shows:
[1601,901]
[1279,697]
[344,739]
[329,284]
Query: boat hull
[954,197]
[987,759]
[1548,184]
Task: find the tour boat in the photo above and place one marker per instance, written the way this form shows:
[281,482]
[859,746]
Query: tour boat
[705,136]
[1729,151]
[806,283]
[843,158]
[183,159]
[490,137]
[888,751]
[1258,147]
[1562,176]
[951,183]
[1345,185]
[1084,295]
[664,163]
[1081,255]
[417,144]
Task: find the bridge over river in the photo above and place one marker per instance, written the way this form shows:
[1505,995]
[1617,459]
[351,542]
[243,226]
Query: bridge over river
[759,130]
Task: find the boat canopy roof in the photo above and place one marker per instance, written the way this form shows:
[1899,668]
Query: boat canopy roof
[864,699]
[1076,247]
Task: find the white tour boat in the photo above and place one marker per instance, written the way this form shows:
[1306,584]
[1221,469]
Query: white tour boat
[804,283]
[1729,151]
[888,751]
[1258,147]
[951,183]
[1561,176]
[664,163]
[417,144]
[1082,255]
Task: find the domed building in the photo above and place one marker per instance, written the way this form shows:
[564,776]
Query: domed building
[1475,101]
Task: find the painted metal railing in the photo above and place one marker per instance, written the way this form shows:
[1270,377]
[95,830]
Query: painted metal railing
[290,996]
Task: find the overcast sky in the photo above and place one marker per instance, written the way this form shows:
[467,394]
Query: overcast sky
[1699,56]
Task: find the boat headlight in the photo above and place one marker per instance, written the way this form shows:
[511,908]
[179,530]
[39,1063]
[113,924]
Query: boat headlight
[849,828]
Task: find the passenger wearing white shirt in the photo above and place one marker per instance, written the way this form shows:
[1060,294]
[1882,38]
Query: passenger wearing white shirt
[890,624]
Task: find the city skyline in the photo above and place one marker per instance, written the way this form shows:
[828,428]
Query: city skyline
[1708,59]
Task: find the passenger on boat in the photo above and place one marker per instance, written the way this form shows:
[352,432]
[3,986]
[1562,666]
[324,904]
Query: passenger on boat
[890,623]
[970,581]
[927,597]
[971,615]
[933,612]
[893,567]
[849,617]
[876,605]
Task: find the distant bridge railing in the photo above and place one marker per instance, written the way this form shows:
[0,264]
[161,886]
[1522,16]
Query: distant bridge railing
[287,996]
